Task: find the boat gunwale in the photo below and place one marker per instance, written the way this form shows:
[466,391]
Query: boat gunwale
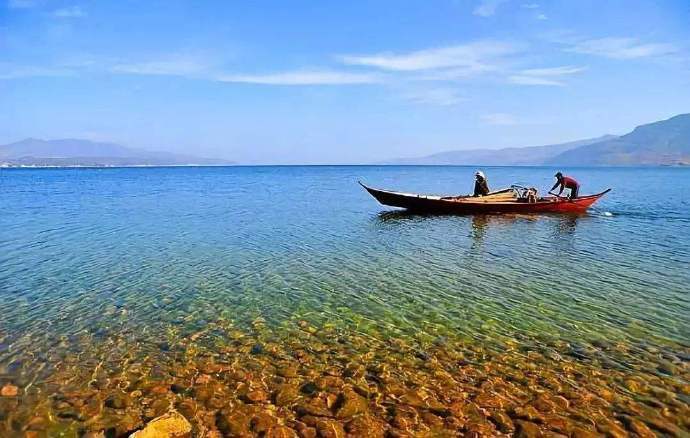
[470,199]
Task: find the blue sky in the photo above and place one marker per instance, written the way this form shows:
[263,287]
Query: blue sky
[339,82]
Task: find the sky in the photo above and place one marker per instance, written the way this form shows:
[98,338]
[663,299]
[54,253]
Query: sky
[283,82]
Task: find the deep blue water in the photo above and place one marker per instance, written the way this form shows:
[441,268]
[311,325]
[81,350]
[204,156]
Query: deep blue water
[155,249]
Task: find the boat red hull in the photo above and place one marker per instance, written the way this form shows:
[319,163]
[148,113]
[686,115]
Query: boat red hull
[437,204]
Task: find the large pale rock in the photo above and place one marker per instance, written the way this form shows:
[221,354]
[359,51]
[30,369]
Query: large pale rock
[170,425]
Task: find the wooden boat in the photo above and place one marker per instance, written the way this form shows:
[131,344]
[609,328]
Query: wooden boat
[502,201]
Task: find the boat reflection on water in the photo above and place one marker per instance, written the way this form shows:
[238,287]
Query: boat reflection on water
[563,225]
[403,215]
[478,230]
[480,222]
[566,225]
[399,215]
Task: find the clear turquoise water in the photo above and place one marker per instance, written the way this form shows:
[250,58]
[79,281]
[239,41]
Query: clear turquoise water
[154,254]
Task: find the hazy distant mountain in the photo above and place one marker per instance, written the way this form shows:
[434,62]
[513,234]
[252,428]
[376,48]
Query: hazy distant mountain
[75,152]
[523,156]
[666,142]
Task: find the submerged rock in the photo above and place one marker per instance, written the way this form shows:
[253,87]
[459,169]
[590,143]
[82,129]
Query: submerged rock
[170,425]
[637,426]
[9,391]
[316,408]
[128,423]
[257,396]
[288,372]
[544,404]
[286,394]
[330,429]
[527,429]
[305,431]
[666,367]
[309,388]
[503,421]
[262,422]
[37,423]
[528,413]
[118,401]
[611,429]
[366,426]
[234,424]
[280,432]
[579,432]
[349,403]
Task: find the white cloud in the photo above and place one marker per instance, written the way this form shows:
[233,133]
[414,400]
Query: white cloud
[472,56]
[542,17]
[544,76]
[174,66]
[457,73]
[188,67]
[302,77]
[622,48]
[499,119]
[27,71]
[533,80]
[21,4]
[529,6]
[487,8]
[435,96]
[193,67]
[553,71]
[70,12]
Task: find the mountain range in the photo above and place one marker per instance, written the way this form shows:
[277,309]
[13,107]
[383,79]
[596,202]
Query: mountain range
[666,142]
[76,152]
[517,156]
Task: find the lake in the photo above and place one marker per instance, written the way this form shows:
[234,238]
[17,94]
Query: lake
[283,300]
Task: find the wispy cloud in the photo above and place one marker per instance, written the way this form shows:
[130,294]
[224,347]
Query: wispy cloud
[487,8]
[193,67]
[544,76]
[472,55]
[410,75]
[21,4]
[553,71]
[530,6]
[80,65]
[27,71]
[499,119]
[456,73]
[173,66]
[623,48]
[69,12]
[533,80]
[435,96]
[190,67]
[542,17]
[302,77]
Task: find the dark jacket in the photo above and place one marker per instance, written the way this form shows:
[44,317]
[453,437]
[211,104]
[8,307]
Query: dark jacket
[481,187]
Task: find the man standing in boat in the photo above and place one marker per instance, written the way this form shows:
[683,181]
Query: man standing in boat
[481,186]
[566,182]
